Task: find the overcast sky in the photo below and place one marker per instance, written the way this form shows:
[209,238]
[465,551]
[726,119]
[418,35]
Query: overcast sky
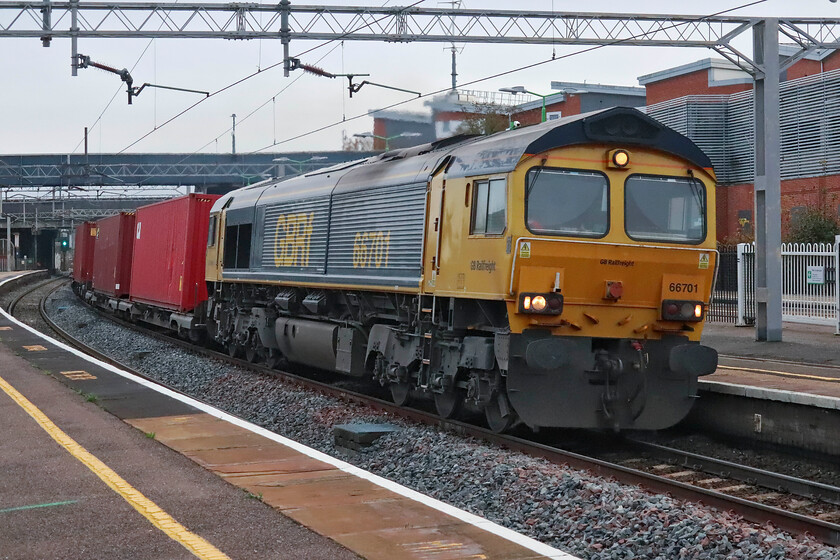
[44,109]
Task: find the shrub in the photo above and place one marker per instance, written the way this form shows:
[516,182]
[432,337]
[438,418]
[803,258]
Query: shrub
[812,225]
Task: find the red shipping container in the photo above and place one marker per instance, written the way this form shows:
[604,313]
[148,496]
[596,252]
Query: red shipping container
[170,246]
[84,243]
[112,258]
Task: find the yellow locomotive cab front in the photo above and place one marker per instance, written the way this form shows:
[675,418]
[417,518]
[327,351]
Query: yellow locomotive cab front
[624,247]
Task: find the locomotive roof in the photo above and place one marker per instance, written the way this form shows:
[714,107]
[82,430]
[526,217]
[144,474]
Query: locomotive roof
[498,153]
[622,126]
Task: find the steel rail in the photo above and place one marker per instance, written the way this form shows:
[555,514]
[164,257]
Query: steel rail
[824,531]
[91,351]
[726,469]
[13,304]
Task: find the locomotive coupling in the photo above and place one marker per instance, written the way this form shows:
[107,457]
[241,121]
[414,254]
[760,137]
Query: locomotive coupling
[608,365]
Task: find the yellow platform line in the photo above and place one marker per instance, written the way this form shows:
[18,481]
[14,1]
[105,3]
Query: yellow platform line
[784,374]
[159,518]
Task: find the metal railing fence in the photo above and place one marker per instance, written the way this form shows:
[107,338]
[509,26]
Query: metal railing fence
[724,303]
[810,284]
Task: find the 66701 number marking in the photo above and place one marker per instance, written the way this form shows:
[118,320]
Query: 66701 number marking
[683,287]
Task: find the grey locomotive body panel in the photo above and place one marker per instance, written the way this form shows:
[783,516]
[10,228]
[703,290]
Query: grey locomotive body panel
[361,237]
[376,236]
[294,237]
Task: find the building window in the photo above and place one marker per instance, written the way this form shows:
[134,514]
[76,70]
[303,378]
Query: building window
[796,213]
[489,207]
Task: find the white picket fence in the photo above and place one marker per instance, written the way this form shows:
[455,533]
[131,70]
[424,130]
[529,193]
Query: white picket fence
[810,283]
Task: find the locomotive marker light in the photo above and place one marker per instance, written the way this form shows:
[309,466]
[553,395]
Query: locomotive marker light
[541,304]
[678,310]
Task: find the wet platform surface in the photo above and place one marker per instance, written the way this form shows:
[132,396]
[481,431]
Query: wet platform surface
[241,492]
[806,361]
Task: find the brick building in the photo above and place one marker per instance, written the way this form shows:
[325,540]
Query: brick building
[711,101]
[448,111]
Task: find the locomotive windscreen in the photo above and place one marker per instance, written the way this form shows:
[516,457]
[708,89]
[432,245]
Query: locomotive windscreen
[565,202]
[665,209]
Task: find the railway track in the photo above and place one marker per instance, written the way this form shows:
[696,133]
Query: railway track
[791,504]
[13,303]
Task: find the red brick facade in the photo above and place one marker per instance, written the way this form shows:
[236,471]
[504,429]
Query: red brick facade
[807,67]
[569,106]
[694,83]
[735,203]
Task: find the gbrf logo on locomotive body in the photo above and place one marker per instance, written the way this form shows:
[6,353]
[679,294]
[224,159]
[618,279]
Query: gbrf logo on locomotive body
[292,236]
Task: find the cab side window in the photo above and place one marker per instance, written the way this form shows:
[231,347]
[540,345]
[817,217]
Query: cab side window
[211,232]
[237,246]
[489,207]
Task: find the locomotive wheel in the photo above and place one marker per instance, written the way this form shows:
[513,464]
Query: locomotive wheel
[448,404]
[499,413]
[234,349]
[274,359]
[400,393]
[252,353]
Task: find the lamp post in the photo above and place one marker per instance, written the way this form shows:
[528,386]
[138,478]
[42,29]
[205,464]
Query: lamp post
[520,89]
[233,136]
[299,162]
[386,138]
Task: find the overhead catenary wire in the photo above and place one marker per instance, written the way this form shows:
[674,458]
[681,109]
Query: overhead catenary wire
[499,74]
[553,58]
[272,100]
[260,71]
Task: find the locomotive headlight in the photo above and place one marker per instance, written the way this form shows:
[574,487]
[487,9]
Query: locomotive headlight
[698,311]
[618,159]
[541,304]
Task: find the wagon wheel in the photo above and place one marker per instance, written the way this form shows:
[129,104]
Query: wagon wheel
[448,404]
[252,354]
[198,336]
[400,393]
[499,413]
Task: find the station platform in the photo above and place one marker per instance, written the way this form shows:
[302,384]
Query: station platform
[164,476]
[782,393]
[807,360]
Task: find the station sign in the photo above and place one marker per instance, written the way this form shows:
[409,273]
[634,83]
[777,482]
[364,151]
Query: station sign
[815,275]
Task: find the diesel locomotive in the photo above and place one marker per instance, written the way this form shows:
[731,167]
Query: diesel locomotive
[556,275]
